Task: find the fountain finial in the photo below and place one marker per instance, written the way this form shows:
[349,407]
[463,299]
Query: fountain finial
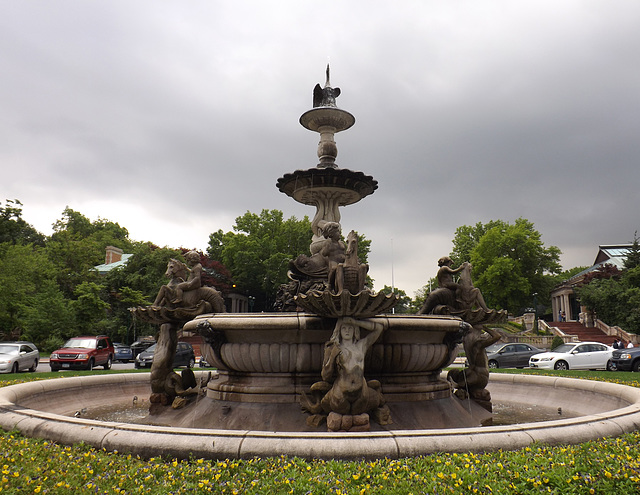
[325,97]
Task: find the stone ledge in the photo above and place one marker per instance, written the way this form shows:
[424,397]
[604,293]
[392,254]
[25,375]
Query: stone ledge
[150,441]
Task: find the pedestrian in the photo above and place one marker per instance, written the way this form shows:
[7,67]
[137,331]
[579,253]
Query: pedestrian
[629,345]
[563,316]
[616,344]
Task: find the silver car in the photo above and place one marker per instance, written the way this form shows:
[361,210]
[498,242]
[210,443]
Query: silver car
[511,355]
[17,356]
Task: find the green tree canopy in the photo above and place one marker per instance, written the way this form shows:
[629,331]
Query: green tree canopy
[14,229]
[404,301]
[258,250]
[32,307]
[614,295]
[510,262]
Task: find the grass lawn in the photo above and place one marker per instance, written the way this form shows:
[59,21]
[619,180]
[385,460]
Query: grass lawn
[604,466]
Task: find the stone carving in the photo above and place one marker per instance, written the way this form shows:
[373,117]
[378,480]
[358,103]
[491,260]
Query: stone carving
[185,288]
[331,282]
[181,300]
[312,273]
[464,300]
[326,254]
[325,97]
[455,296]
[471,382]
[344,394]
[349,275]
[362,305]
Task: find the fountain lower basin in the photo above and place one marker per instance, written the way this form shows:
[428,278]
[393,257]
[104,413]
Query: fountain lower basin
[45,409]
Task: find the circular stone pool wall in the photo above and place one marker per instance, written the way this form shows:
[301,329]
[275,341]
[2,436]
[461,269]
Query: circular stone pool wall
[45,409]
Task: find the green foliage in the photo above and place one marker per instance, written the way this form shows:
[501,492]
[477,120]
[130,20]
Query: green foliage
[557,341]
[567,274]
[632,259]
[467,238]
[78,245]
[617,302]
[510,262]
[29,297]
[258,251]
[404,302]
[615,295]
[13,229]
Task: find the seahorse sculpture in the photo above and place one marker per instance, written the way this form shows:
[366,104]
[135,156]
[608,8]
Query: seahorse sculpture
[350,275]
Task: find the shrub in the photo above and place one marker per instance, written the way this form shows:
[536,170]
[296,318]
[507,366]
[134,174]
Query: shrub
[556,342]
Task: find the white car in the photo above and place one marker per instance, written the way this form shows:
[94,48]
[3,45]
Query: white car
[578,356]
[18,356]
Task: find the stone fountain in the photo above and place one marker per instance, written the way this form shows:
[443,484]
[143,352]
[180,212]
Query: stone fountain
[333,375]
[332,357]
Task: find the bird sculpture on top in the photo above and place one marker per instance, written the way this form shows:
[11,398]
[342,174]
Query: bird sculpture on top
[325,97]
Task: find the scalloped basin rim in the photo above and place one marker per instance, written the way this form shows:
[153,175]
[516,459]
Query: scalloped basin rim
[149,441]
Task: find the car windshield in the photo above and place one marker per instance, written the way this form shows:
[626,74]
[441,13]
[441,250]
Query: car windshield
[8,349]
[151,349]
[563,348]
[494,348]
[81,343]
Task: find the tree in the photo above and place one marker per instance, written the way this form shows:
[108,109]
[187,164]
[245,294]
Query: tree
[77,246]
[404,301]
[632,259]
[614,294]
[14,229]
[32,307]
[510,262]
[467,238]
[258,250]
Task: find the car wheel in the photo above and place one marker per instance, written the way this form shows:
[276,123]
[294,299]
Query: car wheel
[15,368]
[636,366]
[107,365]
[90,365]
[611,366]
[493,364]
[34,367]
[562,365]
[192,362]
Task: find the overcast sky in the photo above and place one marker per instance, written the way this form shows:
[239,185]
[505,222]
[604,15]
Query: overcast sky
[174,118]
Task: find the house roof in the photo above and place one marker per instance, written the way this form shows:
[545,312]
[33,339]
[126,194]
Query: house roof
[611,254]
[104,268]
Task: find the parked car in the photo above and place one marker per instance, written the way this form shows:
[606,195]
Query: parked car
[141,345]
[83,353]
[511,355]
[626,359]
[184,356]
[578,355]
[16,356]
[123,352]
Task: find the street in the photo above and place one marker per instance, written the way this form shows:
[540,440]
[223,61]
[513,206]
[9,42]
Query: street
[43,366]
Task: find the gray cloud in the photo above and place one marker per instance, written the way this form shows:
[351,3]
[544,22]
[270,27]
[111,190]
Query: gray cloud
[173,119]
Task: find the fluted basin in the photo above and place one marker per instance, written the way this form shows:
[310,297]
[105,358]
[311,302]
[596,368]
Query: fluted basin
[267,361]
